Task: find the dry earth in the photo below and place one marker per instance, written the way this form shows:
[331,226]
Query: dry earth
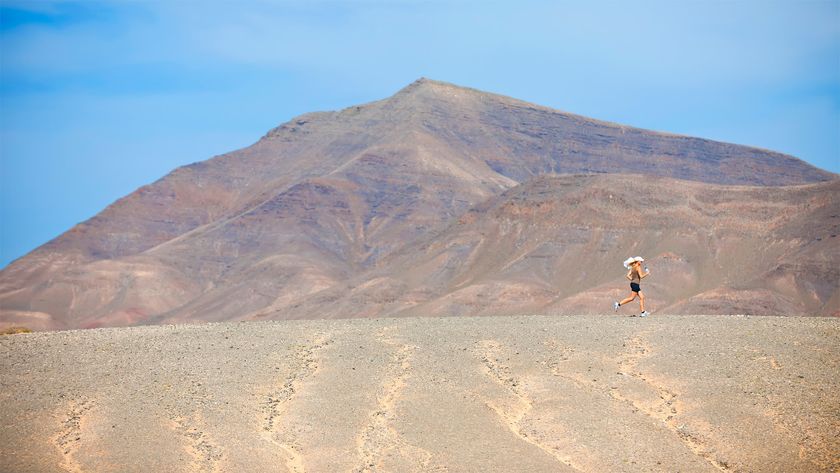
[506,394]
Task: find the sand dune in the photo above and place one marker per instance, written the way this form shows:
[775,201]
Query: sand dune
[521,393]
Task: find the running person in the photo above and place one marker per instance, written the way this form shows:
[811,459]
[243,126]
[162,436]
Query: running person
[635,276]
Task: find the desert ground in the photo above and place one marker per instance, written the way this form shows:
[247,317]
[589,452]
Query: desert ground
[486,394]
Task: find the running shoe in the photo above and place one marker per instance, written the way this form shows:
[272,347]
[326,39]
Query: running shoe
[643,314]
[615,306]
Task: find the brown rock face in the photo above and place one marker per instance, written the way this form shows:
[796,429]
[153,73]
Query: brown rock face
[316,219]
[554,245]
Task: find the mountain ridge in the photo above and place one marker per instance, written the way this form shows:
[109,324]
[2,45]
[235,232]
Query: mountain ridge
[432,84]
[679,235]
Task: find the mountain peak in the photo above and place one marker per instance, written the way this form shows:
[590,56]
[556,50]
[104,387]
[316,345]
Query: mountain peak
[425,85]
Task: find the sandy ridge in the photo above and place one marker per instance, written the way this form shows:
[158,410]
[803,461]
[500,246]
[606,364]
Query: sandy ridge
[305,365]
[513,413]
[662,407]
[205,452]
[378,437]
[71,435]
[667,407]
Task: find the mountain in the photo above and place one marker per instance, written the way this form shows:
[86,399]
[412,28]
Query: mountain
[554,245]
[331,198]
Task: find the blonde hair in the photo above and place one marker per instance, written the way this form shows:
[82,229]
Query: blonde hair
[631,260]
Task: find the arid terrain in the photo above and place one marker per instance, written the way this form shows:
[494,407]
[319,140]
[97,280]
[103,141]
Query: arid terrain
[481,394]
[444,200]
[555,246]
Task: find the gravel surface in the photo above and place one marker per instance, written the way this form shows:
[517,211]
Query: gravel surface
[505,394]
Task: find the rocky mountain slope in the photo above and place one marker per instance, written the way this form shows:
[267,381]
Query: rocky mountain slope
[555,245]
[328,197]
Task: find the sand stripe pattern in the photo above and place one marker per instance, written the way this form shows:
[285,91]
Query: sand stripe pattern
[495,394]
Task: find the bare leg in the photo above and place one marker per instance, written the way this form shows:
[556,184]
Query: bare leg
[630,298]
[642,301]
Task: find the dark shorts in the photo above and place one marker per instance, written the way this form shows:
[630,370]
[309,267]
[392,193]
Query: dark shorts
[635,287]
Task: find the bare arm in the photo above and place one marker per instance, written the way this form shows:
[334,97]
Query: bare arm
[629,275]
[644,275]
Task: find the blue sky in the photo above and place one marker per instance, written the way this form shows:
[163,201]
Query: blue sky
[99,98]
